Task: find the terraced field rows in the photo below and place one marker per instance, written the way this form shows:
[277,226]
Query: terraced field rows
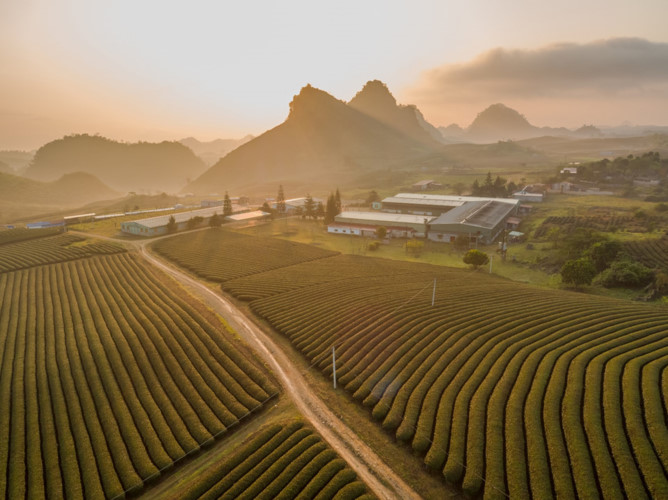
[280,462]
[107,377]
[506,388]
[598,223]
[52,249]
[220,255]
[652,253]
[24,234]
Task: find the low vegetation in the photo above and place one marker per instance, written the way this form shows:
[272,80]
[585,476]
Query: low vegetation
[280,461]
[222,255]
[52,249]
[109,376]
[506,389]
[24,234]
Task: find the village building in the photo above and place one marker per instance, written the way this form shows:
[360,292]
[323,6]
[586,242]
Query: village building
[525,195]
[482,221]
[247,216]
[430,204]
[366,224]
[155,226]
[426,185]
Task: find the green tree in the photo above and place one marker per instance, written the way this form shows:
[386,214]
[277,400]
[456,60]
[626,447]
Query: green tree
[475,258]
[381,232]
[578,272]
[330,209]
[373,196]
[626,273]
[193,222]
[227,205]
[488,185]
[267,209]
[171,225]
[215,220]
[604,253]
[319,210]
[280,201]
[337,198]
[309,207]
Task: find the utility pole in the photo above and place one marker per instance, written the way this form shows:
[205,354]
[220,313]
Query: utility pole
[491,259]
[334,365]
[433,294]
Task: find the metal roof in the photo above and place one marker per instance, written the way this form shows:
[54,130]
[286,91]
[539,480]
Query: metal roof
[162,220]
[441,200]
[483,214]
[381,217]
[247,215]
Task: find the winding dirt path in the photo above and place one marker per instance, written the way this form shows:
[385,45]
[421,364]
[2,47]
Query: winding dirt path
[380,478]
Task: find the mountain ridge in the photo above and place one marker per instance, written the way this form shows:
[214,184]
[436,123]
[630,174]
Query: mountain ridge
[322,139]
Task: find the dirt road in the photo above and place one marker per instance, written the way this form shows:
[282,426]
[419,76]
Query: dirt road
[380,478]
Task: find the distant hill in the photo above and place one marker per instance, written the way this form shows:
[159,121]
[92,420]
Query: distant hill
[212,151]
[5,169]
[71,189]
[22,197]
[323,142]
[17,161]
[500,122]
[588,131]
[141,167]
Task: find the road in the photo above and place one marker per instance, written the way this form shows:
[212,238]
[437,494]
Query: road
[380,478]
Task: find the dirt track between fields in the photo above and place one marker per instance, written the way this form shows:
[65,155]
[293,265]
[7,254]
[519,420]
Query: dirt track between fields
[380,478]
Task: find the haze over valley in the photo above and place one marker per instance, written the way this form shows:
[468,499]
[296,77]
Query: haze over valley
[357,250]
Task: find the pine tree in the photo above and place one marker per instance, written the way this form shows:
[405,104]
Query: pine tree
[280,201]
[488,186]
[337,198]
[309,206]
[171,225]
[227,205]
[330,210]
[319,210]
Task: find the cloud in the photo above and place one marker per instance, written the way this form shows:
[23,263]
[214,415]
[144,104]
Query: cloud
[618,69]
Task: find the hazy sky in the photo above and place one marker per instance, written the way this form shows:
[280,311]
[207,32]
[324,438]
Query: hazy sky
[153,70]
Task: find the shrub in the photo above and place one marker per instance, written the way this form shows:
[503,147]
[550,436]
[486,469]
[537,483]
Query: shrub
[373,245]
[604,253]
[626,273]
[476,258]
[578,272]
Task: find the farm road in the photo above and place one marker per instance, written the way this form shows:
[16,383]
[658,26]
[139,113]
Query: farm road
[380,478]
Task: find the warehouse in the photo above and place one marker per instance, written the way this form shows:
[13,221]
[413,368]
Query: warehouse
[430,204]
[482,221]
[247,216]
[366,223]
[154,226]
